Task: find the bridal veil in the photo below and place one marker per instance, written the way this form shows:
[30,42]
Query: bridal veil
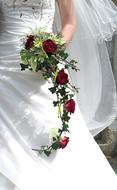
[96,24]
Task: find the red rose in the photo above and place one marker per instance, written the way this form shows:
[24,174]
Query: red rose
[30,41]
[70,106]
[49,46]
[62,77]
[63,142]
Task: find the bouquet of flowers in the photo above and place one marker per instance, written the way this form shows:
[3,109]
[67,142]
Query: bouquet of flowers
[46,52]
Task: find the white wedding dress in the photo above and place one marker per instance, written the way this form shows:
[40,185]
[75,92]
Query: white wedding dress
[27,114]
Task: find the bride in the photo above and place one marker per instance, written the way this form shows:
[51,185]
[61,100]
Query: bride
[26,111]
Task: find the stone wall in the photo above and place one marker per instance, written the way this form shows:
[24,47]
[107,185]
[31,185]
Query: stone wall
[115,1]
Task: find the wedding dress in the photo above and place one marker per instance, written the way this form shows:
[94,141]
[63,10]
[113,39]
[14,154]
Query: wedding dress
[27,114]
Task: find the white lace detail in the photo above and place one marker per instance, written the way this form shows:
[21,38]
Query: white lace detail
[19,20]
[30,11]
[31,3]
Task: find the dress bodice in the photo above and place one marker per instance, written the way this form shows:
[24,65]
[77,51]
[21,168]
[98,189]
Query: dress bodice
[31,12]
[19,17]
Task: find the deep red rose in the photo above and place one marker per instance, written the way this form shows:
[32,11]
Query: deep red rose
[30,41]
[62,77]
[63,142]
[49,46]
[70,106]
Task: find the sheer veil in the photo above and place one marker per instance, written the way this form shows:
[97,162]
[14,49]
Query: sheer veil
[96,24]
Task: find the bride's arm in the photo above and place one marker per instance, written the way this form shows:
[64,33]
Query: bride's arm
[68,19]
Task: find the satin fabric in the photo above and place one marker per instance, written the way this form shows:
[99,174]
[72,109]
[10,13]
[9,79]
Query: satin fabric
[27,114]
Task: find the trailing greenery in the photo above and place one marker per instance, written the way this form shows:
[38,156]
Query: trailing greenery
[46,52]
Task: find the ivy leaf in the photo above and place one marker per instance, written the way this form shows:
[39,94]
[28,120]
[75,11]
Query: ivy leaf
[34,66]
[23,66]
[52,90]
[55,145]
[63,54]
[65,114]
[71,96]
[67,118]
[47,152]
[62,91]
[73,62]
[65,127]
[55,103]
[25,55]
[65,97]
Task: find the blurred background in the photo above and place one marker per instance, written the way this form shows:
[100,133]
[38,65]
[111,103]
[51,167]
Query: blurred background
[107,139]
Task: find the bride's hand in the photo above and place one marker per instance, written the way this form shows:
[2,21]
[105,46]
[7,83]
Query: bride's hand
[68,19]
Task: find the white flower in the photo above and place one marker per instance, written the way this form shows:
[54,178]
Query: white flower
[53,133]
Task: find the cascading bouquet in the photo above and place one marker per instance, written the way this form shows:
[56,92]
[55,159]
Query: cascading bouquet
[46,52]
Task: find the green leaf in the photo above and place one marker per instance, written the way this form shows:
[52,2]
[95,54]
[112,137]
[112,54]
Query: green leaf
[34,66]
[65,127]
[25,55]
[71,96]
[55,145]
[65,116]
[23,66]
[52,90]
[73,62]
[63,54]
[55,103]
[47,152]
[52,61]
[62,91]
